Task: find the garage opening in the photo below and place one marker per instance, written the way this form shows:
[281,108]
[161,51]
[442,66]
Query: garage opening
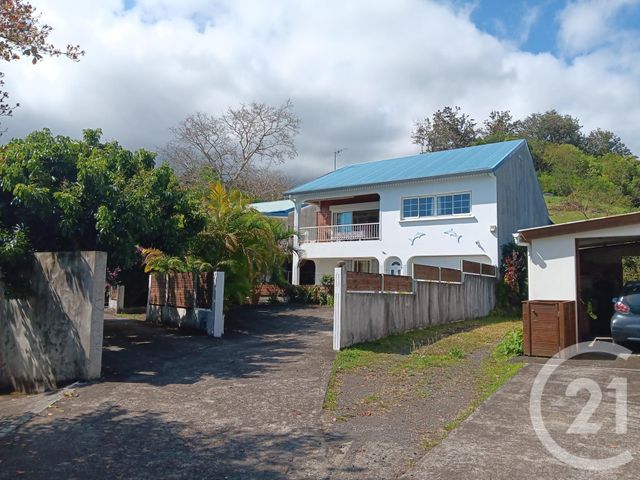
[604,265]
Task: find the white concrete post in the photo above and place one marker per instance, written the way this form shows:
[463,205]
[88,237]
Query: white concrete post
[120,301]
[215,322]
[339,299]
[295,261]
[149,297]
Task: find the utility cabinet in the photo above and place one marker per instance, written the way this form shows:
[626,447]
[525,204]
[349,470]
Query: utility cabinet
[548,326]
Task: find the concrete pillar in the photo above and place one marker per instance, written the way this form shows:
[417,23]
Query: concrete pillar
[295,261]
[215,321]
[339,299]
[295,269]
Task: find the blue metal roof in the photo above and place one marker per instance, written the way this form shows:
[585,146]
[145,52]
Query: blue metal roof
[461,161]
[278,208]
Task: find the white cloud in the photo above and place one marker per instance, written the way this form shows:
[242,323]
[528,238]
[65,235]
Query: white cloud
[586,24]
[358,73]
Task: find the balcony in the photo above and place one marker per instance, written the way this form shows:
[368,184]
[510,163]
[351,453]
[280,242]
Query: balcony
[340,233]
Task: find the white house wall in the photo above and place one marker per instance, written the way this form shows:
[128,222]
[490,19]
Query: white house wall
[468,235]
[552,267]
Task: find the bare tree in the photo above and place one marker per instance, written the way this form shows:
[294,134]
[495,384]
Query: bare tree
[239,146]
[266,184]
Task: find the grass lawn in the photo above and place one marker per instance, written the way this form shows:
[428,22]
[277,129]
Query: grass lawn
[560,212]
[446,370]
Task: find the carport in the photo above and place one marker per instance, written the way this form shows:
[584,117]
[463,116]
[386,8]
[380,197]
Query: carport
[578,267]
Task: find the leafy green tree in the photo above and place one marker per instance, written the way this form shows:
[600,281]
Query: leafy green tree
[597,196]
[236,239]
[551,127]
[624,172]
[448,128]
[500,123]
[602,142]
[66,194]
[563,167]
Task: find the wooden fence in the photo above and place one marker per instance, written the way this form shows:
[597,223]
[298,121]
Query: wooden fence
[371,306]
[188,300]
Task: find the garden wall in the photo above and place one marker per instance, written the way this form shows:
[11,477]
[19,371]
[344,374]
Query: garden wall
[54,335]
[361,316]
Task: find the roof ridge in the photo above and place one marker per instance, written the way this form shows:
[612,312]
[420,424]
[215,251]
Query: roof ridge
[458,161]
[426,154]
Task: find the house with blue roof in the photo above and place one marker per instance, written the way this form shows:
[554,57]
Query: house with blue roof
[434,209]
[276,209]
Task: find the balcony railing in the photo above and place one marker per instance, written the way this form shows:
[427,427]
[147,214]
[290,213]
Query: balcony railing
[340,233]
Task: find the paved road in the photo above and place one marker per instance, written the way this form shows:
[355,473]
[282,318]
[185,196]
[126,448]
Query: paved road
[173,405]
[498,441]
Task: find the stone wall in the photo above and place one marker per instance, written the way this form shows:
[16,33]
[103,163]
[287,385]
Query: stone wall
[54,336]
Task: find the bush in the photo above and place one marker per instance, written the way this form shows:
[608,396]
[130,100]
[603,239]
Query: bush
[512,345]
[308,295]
[512,287]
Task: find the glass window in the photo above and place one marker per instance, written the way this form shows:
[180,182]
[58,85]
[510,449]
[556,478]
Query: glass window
[454,204]
[410,207]
[426,206]
[366,216]
[343,218]
[396,268]
[461,203]
[363,266]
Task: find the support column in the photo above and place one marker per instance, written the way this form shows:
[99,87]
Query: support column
[339,299]
[295,261]
[215,321]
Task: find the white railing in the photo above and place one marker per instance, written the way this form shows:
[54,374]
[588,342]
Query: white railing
[340,233]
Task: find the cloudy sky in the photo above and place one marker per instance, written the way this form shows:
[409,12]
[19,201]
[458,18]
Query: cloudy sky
[359,73]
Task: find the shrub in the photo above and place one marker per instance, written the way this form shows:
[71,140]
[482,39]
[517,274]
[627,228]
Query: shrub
[512,345]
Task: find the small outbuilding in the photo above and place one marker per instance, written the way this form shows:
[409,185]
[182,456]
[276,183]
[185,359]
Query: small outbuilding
[575,269]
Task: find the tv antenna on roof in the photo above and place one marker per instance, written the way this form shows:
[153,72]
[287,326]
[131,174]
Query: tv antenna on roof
[335,157]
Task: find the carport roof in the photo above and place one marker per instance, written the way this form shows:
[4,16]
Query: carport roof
[528,234]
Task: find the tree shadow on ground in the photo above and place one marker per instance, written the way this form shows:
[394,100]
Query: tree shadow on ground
[256,341]
[115,443]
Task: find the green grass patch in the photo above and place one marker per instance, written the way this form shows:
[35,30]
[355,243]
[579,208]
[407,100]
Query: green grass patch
[437,346]
[562,211]
[497,369]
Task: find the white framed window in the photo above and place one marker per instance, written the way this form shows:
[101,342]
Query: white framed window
[363,266]
[395,268]
[436,205]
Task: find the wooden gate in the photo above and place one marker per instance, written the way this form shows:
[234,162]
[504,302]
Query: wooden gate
[549,327]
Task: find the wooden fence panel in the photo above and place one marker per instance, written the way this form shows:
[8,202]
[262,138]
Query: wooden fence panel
[489,270]
[398,283]
[450,275]
[473,268]
[204,289]
[158,290]
[364,282]
[181,290]
[426,272]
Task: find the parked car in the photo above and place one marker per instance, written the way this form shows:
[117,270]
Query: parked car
[625,322]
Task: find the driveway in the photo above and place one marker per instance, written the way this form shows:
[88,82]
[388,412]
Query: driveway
[499,442]
[173,405]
